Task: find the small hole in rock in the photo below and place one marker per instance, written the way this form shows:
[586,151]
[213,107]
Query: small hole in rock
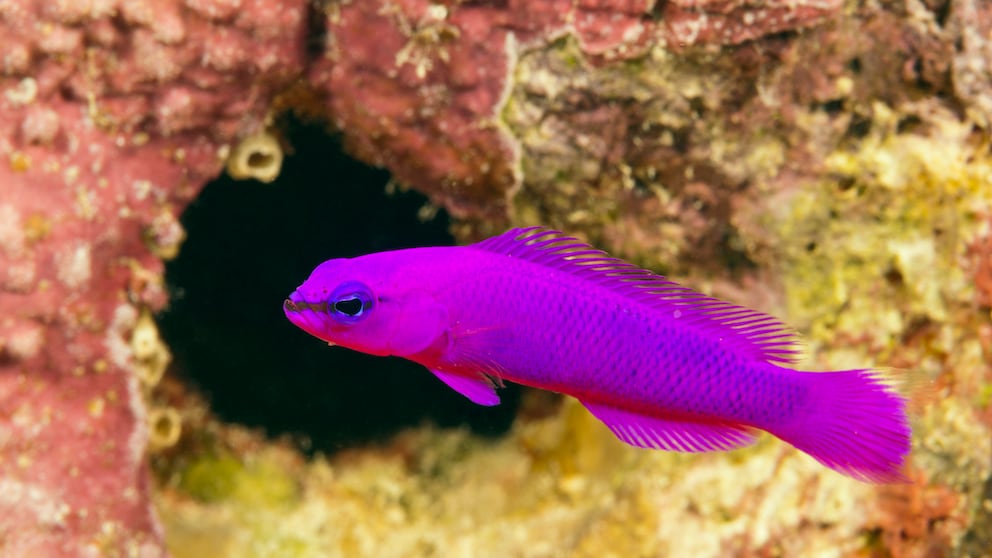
[894,277]
[259,159]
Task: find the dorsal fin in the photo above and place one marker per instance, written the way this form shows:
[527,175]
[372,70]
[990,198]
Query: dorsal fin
[754,333]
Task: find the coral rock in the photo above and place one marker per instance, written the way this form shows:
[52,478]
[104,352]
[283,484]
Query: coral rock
[418,87]
[112,116]
[689,22]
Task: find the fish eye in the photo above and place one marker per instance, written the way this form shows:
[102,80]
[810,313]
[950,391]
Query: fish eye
[351,306]
[350,302]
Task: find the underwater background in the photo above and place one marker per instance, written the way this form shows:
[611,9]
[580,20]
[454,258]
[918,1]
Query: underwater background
[172,169]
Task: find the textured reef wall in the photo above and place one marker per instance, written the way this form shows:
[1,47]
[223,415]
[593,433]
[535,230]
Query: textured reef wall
[112,117]
[827,162]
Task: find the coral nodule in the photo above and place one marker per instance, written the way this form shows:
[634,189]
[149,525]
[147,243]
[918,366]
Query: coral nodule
[257,156]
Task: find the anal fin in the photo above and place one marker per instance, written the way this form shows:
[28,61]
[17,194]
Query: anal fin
[477,387]
[672,434]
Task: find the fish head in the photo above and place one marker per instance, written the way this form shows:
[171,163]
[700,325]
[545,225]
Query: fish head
[368,304]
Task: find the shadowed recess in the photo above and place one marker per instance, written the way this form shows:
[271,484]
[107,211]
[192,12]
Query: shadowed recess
[249,245]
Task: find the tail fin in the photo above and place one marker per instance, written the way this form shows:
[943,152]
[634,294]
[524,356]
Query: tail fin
[856,425]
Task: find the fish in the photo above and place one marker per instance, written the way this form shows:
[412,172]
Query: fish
[661,365]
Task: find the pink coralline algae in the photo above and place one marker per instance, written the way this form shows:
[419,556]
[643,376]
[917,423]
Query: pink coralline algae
[972,67]
[422,96]
[690,22]
[113,114]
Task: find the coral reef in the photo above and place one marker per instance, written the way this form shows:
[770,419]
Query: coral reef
[423,98]
[828,163]
[554,486]
[113,115]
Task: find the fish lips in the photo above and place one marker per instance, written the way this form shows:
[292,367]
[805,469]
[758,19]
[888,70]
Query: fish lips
[308,316]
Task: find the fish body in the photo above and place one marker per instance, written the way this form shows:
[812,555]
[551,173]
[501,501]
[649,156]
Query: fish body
[661,365]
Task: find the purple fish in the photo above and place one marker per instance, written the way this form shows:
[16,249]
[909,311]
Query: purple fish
[661,365]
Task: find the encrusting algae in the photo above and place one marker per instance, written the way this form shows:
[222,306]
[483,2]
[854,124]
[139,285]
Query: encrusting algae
[870,263]
[894,206]
[446,493]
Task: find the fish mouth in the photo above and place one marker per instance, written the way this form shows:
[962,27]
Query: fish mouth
[297,303]
[303,314]
[296,306]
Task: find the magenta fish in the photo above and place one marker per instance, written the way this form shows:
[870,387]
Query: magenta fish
[661,365]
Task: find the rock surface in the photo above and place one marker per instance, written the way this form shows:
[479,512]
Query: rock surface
[112,117]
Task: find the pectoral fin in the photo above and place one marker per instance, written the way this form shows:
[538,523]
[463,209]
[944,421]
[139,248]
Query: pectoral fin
[477,387]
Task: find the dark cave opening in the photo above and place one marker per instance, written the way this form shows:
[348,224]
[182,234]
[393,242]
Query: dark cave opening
[249,245]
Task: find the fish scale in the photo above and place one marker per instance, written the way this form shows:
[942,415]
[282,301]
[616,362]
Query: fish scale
[661,365]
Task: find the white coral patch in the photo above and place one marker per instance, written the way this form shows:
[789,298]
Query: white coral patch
[11,231]
[40,126]
[74,266]
[42,505]
[141,189]
[20,277]
[916,260]
[24,93]
[118,347]
[137,440]
[25,342]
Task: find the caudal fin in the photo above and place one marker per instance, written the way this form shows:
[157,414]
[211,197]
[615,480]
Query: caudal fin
[856,425]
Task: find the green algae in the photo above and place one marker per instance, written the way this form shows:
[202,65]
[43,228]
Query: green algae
[638,157]
[232,506]
[211,479]
[869,256]
[874,245]
[216,478]
[984,399]
[560,485]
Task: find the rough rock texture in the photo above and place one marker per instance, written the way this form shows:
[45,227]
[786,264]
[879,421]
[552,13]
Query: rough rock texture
[970,21]
[837,176]
[112,116]
[423,97]
[554,486]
